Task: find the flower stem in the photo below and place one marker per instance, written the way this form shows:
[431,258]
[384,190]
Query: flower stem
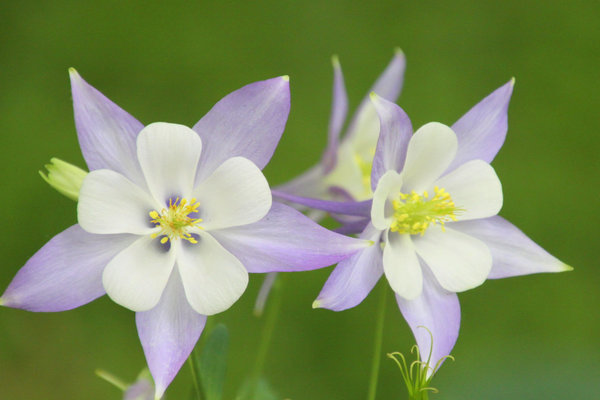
[192,365]
[377,344]
[272,312]
[193,360]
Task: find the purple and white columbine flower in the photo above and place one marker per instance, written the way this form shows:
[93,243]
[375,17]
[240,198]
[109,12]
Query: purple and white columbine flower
[172,219]
[434,213]
[345,167]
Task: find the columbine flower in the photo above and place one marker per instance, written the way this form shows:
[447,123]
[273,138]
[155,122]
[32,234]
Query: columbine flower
[434,212]
[172,219]
[345,167]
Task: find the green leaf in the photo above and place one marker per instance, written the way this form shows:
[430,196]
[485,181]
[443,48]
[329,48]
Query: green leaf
[212,363]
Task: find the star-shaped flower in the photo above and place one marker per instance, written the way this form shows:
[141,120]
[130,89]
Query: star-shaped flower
[345,167]
[434,213]
[172,219]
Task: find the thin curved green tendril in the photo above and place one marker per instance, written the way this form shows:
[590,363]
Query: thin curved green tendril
[415,376]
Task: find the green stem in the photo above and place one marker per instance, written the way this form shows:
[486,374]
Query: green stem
[192,365]
[272,313]
[377,344]
[194,358]
[110,378]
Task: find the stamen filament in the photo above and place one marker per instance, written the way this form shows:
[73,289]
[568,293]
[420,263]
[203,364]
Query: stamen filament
[175,221]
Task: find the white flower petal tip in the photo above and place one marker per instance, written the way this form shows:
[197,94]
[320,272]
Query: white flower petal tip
[286,78]
[317,304]
[398,51]
[512,81]
[1,302]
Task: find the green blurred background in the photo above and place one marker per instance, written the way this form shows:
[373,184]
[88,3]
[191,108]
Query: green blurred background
[533,337]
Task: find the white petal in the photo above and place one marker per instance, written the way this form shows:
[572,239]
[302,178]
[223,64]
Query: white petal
[347,174]
[401,266]
[236,193]
[458,261]
[388,186]
[169,154]
[111,203]
[475,188]
[212,277]
[430,151]
[137,276]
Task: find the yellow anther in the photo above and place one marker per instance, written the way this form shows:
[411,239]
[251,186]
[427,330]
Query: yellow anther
[174,222]
[414,213]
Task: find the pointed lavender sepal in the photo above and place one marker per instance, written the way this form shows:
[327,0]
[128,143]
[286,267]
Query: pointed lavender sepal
[169,333]
[354,208]
[436,312]
[286,240]
[339,109]
[482,130]
[394,134]
[388,86]
[248,123]
[513,253]
[106,132]
[353,278]
[66,273]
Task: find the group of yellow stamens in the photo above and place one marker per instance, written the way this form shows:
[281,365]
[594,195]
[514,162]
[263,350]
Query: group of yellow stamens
[414,213]
[175,221]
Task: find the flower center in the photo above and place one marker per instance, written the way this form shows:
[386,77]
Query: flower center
[175,221]
[365,166]
[414,213]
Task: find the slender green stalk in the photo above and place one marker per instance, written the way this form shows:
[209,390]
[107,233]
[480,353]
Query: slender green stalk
[272,312]
[377,344]
[110,378]
[192,360]
[192,364]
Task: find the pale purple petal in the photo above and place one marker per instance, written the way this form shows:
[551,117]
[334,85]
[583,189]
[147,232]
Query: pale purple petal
[395,131]
[136,277]
[361,209]
[66,273]
[513,253]
[106,132]
[435,313]
[352,227]
[308,184]
[169,154]
[353,278]
[388,86]
[286,240]
[248,123]
[339,108]
[168,333]
[482,130]
[142,389]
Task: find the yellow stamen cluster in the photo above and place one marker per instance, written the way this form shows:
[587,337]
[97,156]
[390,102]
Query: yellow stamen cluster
[175,221]
[365,167]
[414,213]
